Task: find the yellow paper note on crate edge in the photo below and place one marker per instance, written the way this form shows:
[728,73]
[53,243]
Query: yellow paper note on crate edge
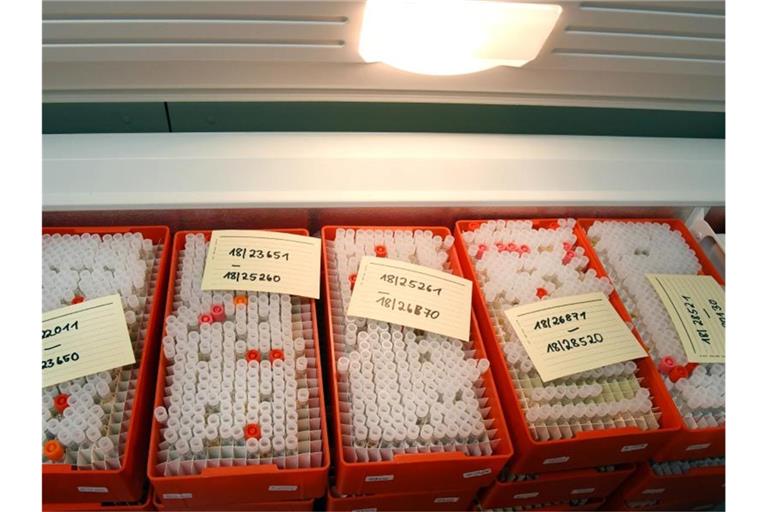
[569,335]
[84,339]
[412,295]
[263,261]
[696,307]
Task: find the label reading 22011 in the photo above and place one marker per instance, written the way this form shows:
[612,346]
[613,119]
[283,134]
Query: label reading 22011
[85,338]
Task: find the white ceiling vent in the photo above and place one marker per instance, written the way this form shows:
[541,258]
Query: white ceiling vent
[646,54]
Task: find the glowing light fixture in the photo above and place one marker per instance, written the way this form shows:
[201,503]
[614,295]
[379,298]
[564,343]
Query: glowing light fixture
[453,37]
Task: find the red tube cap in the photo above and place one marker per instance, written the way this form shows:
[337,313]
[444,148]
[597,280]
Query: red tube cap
[53,450]
[217,312]
[667,364]
[61,402]
[677,373]
[275,354]
[77,299]
[253,355]
[252,430]
[381,251]
[541,293]
[205,318]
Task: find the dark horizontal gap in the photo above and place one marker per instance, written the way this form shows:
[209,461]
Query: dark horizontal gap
[644,33]
[333,20]
[645,9]
[637,55]
[196,42]
[441,118]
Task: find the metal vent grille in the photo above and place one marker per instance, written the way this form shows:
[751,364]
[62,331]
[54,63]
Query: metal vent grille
[654,54]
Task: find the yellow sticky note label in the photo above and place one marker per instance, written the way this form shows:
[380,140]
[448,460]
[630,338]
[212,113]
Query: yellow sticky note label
[85,338]
[573,334]
[411,295]
[696,306]
[263,261]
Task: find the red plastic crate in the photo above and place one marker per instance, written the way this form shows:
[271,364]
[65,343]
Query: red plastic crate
[558,486]
[409,473]
[687,443]
[707,483]
[262,506]
[686,505]
[63,483]
[592,504]
[437,500]
[224,486]
[586,449]
[143,504]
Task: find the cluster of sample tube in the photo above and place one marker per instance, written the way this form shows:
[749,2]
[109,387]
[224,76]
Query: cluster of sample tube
[85,419]
[402,390]
[518,264]
[241,384]
[629,251]
[545,506]
[681,467]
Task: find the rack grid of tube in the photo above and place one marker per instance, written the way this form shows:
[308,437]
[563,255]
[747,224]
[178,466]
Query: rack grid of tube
[86,420]
[517,263]
[629,251]
[402,390]
[241,384]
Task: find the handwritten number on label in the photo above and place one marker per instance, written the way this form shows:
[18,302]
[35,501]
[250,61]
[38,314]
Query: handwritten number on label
[251,276]
[63,359]
[410,283]
[69,326]
[258,254]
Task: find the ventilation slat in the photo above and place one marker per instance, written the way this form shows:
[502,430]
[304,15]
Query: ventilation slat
[641,43]
[614,61]
[630,20]
[196,9]
[283,51]
[200,31]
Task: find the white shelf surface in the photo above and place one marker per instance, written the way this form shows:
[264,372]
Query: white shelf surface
[324,170]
